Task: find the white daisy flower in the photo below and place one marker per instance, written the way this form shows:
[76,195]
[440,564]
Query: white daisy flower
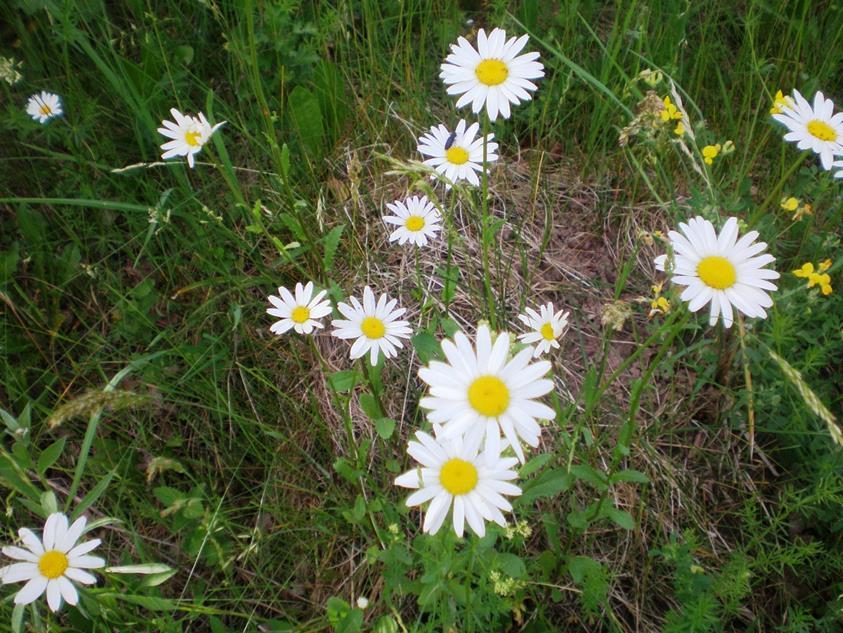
[454,473]
[494,73]
[373,324]
[457,155]
[816,128]
[545,327]
[417,219]
[300,312]
[53,563]
[44,106]
[189,134]
[483,392]
[720,269]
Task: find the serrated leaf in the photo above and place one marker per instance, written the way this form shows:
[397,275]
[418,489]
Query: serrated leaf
[621,518]
[549,484]
[343,381]
[534,464]
[330,243]
[586,473]
[385,427]
[426,345]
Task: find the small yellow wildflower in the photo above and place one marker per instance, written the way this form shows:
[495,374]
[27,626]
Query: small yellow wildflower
[824,282]
[670,111]
[821,278]
[658,305]
[789,204]
[679,130]
[780,101]
[710,152]
[805,209]
[806,270]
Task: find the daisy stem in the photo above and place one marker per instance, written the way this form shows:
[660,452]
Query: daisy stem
[449,219]
[776,191]
[747,376]
[374,385]
[484,228]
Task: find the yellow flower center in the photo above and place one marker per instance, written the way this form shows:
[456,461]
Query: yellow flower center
[547,332]
[414,223]
[456,155]
[52,564]
[717,272]
[192,138]
[489,396]
[300,314]
[821,130]
[373,327]
[491,72]
[46,110]
[458,476]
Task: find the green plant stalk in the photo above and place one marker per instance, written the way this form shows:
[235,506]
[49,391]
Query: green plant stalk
[484,228]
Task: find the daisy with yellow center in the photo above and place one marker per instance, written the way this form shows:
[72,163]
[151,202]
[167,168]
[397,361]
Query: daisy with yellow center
[302,312]
[546,326]
[720,270]
[374,325]
[417,219]
[44,106]
[813,127]
[493,74]
[458,155]
[457,474]
[480,391]
[189,134]
[53,563]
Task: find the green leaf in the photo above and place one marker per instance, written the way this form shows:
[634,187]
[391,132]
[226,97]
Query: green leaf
[285,160]
[549,484]
[511,565]
[306,116]
[534,464]
[633,476]
[621,518]
[370,406]
[385,427]
[17,618]
[586,473]
[91,498]
[346,470]
[427,347]
[49,455]
[330,243]
[344,381]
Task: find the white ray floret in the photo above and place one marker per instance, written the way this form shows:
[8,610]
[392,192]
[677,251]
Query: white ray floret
[546,326]
[456,475]
[417,219]
[301,312]
[813,127]
[480,391]
[374,325]
[44,106]
[457,156]
[493,74]
[52,563]
[188,133]
[720,270]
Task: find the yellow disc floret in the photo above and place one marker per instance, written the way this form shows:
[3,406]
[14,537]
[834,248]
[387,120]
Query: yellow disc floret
[456,155]
[46,110]
[489,396]
[192,138]
[547,332]
[717,272]
[821,130]
[372,327]
[300,314]
[414,223]
[52,564]
[491,72]
[458,476]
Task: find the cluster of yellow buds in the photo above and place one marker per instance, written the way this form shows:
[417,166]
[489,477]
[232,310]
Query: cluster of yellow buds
[520,528]
[795,206]
[818,277]
[504,585]
[671,113]
[780,101]
[659,304]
